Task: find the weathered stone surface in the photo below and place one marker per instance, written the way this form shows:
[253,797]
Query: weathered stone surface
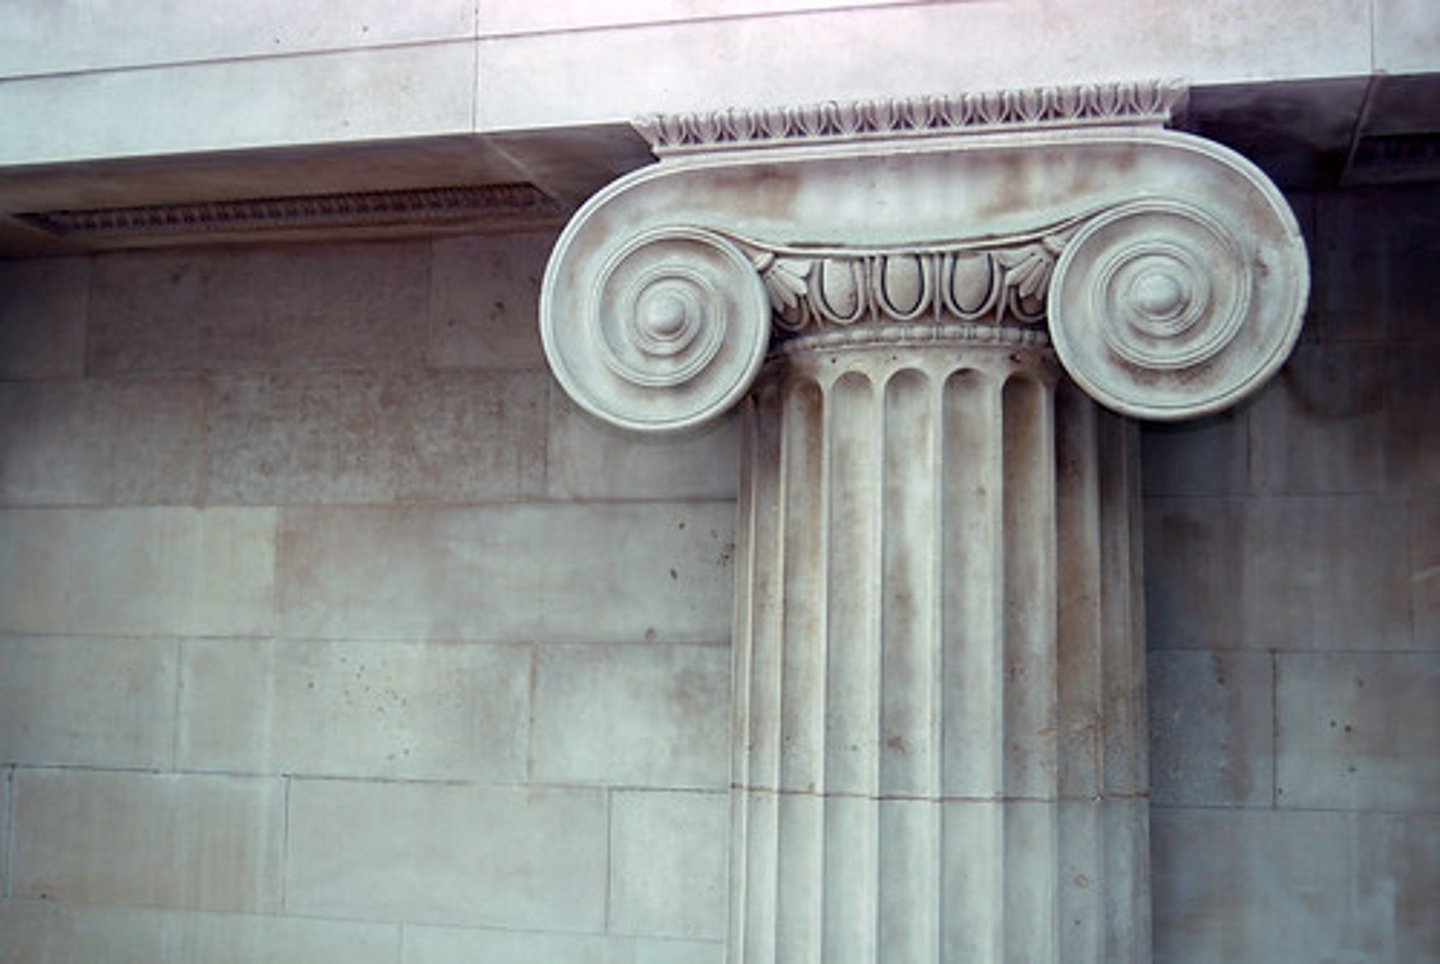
[1211,729]
[259,308]
[483,294]
[591,460]
[1322,573]
[137,572]
[43,930]
[1358,731]
[449,945]
[1412,439]
[667,867]
[1425,571]
[603,573]
[376,437]
[42,317]
[1208,456]
[101,442]
[632,715]
[1406,34]
[391,710]
[88,702]
[169,840]
[513,857]
[1321,425]
[1294,887]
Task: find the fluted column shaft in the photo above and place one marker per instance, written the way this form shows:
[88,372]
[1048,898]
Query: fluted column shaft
[939,731]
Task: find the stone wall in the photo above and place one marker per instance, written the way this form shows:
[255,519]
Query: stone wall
[331,632]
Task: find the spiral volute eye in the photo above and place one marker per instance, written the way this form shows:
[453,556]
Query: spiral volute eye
[1160,310]
[670,333]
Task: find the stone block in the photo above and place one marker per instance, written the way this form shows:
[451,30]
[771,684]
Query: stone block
[168,840]
[376,437]
[316,306]
[634,715]
[137,572]
[513,857]
[49,38]
[363,95]
[101,442]
[449,945]
[390,710]
[1294,887]
[1320,573]
[1320,426]
[591,460]
[1407,36]
[43,930]
[1211,729]
[1412,439]
[1425,571]
[505,573]
[42,317]
[1358,731]
[1207,456]
[484,297]
[87,702]
[667,867]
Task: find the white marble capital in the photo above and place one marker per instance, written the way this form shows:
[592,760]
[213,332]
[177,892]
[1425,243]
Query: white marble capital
[1168,272]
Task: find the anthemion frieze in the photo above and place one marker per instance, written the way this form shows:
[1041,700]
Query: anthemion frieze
[922,310]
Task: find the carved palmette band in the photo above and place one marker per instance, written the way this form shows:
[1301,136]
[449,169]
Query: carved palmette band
[1167,272]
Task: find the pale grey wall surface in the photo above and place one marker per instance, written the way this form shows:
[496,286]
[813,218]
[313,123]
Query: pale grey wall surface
[330,631]
[1292,590]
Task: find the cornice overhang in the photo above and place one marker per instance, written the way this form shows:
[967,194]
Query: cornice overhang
[1167,271]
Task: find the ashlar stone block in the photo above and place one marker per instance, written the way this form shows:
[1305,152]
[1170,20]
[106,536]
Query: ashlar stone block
[1294,887]
[42,317]
[101,441]
[483,293]
[317,306]
[137,571]
[633,715]
[451,945]
[166,840]
[603,573]
[512,857]
[667,871]
[365,709]
[376,437]
[1358,731]
[87,702]
[1211,728]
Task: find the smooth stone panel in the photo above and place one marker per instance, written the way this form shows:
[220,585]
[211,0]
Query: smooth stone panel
[376,437]
[87,702]
[101,442]
[667,867]
[519,857]
[137,572]
[46,37]
[591,460]
[450,945]
[484,293]
[517,16]
[602,573]
[1425,570]
[42,317]
[1407,36]
[889,51]
[1320,425]
[43,930]
[1315,572]
[1294,887]
[390,710]
[1207,456]
[1412,440]
[637,715]
[350,95]
[170,840]
[1358,731]
[296,307]
[1211,729]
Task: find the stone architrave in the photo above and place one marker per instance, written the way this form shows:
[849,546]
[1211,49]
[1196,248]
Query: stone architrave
[939,730]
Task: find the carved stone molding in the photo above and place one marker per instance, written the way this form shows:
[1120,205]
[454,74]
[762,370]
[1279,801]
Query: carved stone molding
[1168,271]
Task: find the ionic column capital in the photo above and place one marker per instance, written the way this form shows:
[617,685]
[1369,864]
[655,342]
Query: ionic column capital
[1167,271]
